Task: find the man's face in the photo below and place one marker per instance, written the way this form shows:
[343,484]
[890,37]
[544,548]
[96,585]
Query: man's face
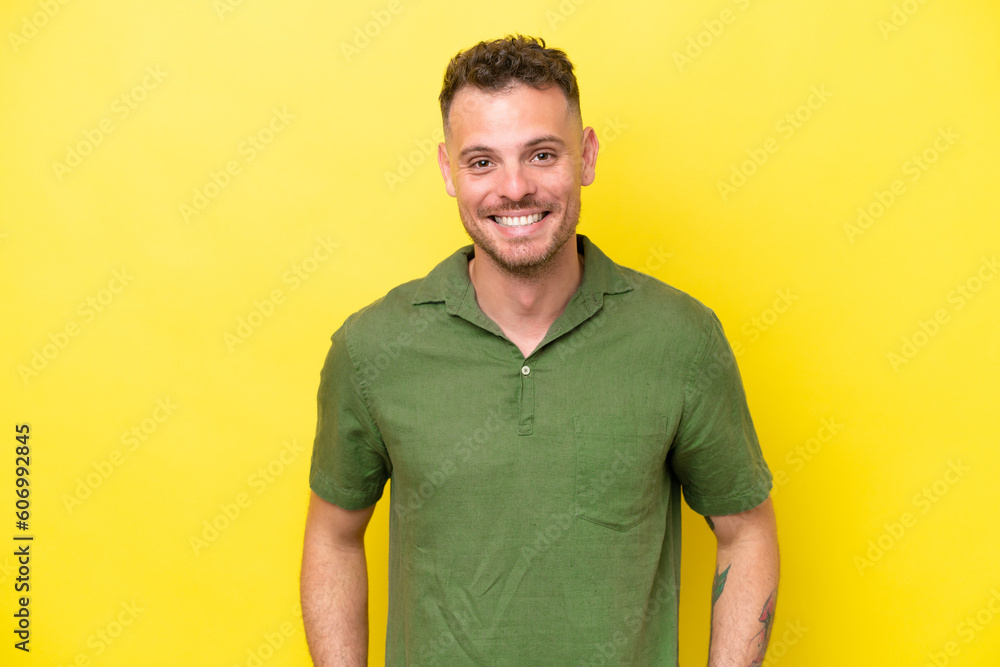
[515,161]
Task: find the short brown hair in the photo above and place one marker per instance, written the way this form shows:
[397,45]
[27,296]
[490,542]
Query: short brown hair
[501,63]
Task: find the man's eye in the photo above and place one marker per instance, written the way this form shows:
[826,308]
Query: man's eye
[482,164]
[545,155]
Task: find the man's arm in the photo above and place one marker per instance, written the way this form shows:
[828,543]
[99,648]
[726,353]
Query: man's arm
[334,584]
[745,589]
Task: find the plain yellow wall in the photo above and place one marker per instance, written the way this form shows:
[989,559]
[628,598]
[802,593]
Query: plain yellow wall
[196,194]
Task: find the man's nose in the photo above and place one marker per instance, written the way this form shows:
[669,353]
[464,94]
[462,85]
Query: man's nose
[516,182]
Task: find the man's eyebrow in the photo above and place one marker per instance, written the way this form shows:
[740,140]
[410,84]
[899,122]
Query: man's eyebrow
[474,149]
[480,148]
[547,139]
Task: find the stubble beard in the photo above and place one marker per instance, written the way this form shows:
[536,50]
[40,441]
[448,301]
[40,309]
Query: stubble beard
[519,262]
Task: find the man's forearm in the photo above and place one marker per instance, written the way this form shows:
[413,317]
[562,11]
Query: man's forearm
[744,595]
[335,605]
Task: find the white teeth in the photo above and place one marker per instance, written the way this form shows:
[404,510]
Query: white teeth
[520,221]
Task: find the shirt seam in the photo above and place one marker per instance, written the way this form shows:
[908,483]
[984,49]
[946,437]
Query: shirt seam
[760,485]
[695,363]
[760,482]
[371,490]
[363,390]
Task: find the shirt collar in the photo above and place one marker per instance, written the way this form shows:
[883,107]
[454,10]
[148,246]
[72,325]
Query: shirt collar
[449,282]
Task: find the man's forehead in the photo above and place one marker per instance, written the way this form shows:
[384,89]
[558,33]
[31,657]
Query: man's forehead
[471,99]
[534,110]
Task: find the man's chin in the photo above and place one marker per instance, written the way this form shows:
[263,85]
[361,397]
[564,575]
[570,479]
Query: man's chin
[521,257]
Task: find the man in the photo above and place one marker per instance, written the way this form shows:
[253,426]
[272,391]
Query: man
[539,409]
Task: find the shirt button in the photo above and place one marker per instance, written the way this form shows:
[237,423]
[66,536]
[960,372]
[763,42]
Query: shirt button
[525,370]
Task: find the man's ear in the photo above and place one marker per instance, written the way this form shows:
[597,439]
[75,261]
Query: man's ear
[445,166]
[588,155]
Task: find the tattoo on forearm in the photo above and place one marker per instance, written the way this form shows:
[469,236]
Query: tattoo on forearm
[758,645]
[718,584]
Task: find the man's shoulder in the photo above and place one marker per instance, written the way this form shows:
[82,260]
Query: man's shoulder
[666,306]
[387,311]
[399,309]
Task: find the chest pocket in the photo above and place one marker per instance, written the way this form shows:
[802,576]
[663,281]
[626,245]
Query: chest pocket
[619,470]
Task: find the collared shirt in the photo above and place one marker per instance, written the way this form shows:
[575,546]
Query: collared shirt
[535,501]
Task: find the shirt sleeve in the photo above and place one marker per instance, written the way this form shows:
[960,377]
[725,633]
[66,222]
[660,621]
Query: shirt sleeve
[350,464]
[715,453]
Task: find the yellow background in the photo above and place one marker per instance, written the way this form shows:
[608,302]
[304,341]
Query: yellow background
[671,131]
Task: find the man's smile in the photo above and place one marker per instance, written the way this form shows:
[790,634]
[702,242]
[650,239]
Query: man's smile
[518,220]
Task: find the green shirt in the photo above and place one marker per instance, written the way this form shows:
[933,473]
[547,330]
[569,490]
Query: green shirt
[535,505]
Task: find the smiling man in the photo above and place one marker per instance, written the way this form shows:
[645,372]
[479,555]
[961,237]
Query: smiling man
[540,410]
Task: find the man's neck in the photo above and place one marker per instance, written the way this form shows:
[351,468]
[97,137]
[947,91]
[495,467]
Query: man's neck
[524,305]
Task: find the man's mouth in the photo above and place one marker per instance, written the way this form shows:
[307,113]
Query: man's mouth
[518,221]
